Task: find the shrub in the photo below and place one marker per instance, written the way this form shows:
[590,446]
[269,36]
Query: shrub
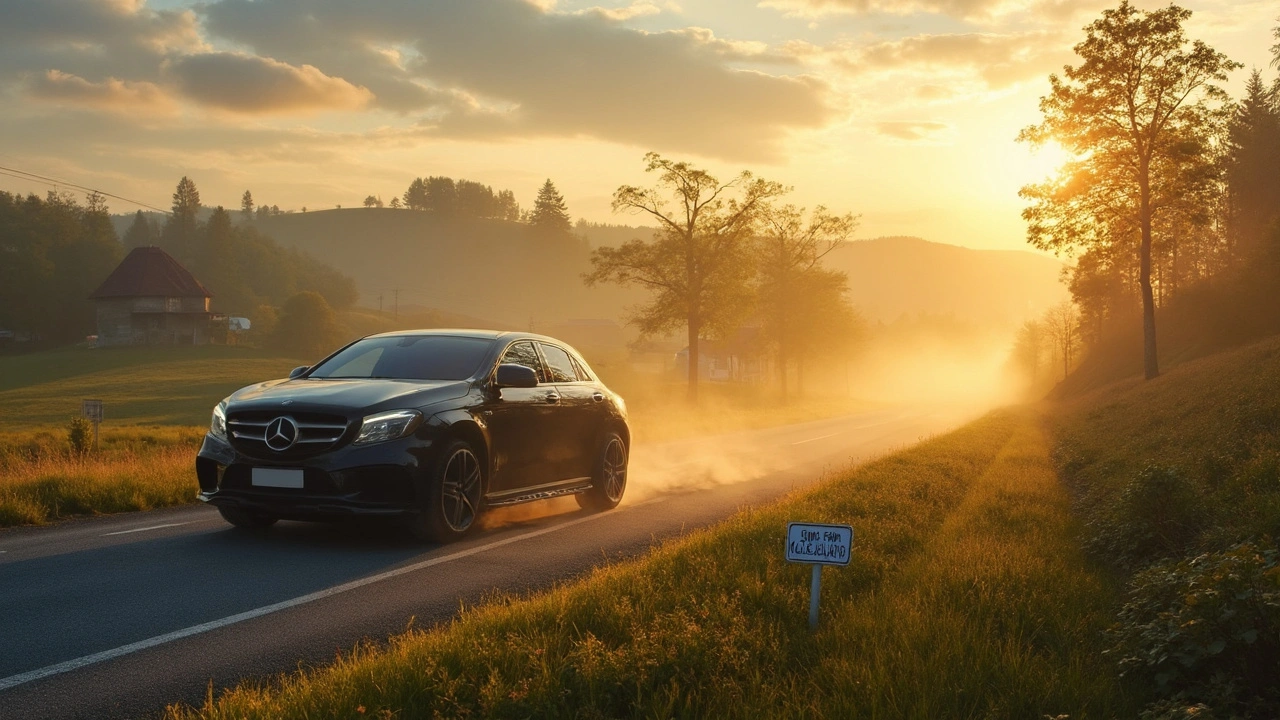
[1206,630]
[80,435]
[1155,515]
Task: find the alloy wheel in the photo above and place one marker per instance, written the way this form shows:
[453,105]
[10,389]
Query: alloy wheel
[615,470]
[461,491]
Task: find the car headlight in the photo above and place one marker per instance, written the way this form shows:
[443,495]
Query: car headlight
[388,426]
[218,424]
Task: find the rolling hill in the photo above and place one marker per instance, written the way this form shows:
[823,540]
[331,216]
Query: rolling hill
[497,270]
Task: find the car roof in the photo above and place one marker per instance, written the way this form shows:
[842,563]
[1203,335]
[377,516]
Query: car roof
[468,332]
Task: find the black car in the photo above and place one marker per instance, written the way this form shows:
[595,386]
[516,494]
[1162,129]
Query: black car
[429,426]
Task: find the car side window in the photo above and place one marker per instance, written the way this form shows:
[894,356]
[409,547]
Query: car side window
[559,364]
[581,370]
[523,353]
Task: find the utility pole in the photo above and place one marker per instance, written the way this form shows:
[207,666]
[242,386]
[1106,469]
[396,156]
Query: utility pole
[379,302]
[397,297]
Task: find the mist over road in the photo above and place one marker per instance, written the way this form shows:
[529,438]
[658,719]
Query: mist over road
[115,616]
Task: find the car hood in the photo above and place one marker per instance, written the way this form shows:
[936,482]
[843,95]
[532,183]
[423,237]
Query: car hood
[345,396]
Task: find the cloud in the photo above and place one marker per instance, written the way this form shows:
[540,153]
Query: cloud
[535,73]
[112,94]
[640,8]
[954,8]
[911,131]
[249,84]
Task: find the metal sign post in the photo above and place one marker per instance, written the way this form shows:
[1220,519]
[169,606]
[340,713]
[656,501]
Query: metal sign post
[92,411]
[818,545]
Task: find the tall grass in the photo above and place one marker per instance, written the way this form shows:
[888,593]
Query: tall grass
[42,480]
[966,597]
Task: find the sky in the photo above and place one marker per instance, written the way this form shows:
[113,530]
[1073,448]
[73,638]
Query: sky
[904,112]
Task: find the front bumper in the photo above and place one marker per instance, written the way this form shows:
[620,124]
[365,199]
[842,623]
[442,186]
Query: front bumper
[384,479]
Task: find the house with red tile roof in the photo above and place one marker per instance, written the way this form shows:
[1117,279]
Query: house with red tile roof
[151,299]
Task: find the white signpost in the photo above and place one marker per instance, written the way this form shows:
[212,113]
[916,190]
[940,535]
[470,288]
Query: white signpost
[818,545]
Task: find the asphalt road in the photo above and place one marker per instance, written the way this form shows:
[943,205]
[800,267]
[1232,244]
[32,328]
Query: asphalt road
[117,616]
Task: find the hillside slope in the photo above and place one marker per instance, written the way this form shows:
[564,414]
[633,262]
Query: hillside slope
[494,269]
[892,276]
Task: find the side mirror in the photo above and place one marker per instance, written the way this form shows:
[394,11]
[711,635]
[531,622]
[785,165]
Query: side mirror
[516,376]
[298,371]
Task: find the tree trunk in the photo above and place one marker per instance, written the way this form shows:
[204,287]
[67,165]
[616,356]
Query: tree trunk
[782,372]
[1150,363]
[695,327]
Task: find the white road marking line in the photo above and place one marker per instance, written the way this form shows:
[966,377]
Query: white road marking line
[62,667]
[820,437]
[144,529]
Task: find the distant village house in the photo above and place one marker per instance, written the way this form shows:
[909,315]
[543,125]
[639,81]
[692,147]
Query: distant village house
[150,299]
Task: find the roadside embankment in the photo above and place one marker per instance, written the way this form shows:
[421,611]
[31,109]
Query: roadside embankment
[967,596]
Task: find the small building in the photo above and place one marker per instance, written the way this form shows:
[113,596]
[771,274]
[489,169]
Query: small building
[150,299]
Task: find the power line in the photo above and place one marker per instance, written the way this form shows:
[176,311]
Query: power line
[29,176]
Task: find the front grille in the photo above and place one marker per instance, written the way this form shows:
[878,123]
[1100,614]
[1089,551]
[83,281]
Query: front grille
[315,432]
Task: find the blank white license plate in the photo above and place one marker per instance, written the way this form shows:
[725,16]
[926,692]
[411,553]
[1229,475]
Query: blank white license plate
[277,478]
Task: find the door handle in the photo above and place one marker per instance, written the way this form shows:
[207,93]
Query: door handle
[552,398]
[598,397]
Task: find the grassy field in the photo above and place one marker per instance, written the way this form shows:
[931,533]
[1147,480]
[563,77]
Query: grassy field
[140,386]
[967,597]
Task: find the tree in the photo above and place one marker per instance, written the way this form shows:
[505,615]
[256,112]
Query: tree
[550,215]
[246,206]
[415,198]
[395,204]
[441,197]
[306,327]
[1028,349]
[1253,164]
[1062,322]
[180,229]
[794,290]
[372,201]
[140,233]
[1134,114]
[697,265]
[507,207]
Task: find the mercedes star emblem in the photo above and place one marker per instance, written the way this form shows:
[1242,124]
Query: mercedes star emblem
[282,433]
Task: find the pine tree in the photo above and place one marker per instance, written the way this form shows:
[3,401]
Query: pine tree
[550,214]
[180,230]
[246,206]
[140,233]
[1253,164]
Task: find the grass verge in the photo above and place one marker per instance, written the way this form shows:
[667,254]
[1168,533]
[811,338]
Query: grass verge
[967,597]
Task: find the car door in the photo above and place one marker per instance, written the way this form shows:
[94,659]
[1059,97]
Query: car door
[521,423]
[574,449]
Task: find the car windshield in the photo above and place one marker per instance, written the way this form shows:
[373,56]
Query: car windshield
[407,357]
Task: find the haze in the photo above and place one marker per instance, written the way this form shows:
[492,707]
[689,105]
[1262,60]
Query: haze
[902,110]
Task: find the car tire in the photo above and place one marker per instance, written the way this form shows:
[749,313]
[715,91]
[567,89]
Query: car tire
[609,480]
[450,504]
[246,519]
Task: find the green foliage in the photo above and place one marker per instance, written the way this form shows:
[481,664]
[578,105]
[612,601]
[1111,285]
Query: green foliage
[1207,629]
[55,253]
[1154,515]
[80,435]
[307,327]
[1179,479]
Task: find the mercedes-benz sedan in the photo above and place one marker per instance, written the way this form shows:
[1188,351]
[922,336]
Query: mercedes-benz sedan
[428,426]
